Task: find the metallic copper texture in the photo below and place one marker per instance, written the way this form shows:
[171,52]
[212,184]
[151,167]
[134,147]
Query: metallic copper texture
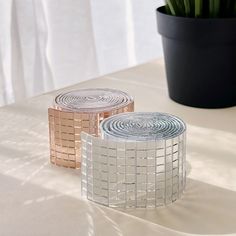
[78,111]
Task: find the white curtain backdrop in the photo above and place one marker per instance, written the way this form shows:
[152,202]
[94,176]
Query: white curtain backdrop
[49,44]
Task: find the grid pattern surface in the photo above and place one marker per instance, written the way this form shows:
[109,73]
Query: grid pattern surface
[65,129]
[133,173]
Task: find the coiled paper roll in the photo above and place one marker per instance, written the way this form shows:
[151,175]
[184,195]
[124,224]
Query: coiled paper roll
[139,160]
[77,111]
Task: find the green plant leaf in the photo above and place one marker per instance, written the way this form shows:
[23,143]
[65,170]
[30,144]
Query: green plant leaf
[181,7]
[198,8]
[192,7]
[201,8]
[217,8]
[235,8]
[214,8]
[172,7]
[167,9]
[187,7]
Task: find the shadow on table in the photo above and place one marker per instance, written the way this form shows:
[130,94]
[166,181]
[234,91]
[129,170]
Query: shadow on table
[35,210]
[204,209]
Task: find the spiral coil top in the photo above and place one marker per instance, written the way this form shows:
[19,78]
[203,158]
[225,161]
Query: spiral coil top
[142,126]
[92,100]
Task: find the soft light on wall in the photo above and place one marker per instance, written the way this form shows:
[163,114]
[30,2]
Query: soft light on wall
[46,45]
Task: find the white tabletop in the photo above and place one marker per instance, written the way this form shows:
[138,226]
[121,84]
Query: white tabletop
[37,198]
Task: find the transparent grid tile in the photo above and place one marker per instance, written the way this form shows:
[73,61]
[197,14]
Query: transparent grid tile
[81,111]
[123,175]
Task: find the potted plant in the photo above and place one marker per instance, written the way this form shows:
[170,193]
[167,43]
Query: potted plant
[199,42]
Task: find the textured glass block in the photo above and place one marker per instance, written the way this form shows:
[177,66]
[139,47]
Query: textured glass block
[142,161]
[81,111]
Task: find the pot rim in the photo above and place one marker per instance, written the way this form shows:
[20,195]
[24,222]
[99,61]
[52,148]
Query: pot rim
[159,10]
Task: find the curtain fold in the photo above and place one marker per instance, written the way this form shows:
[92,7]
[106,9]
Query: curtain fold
[46,45]
[43,78]
[17,67]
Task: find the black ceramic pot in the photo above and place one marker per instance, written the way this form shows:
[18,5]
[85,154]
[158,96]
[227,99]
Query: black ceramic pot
[200,59]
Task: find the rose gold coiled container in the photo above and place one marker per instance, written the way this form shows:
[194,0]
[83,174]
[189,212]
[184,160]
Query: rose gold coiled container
[77,111]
